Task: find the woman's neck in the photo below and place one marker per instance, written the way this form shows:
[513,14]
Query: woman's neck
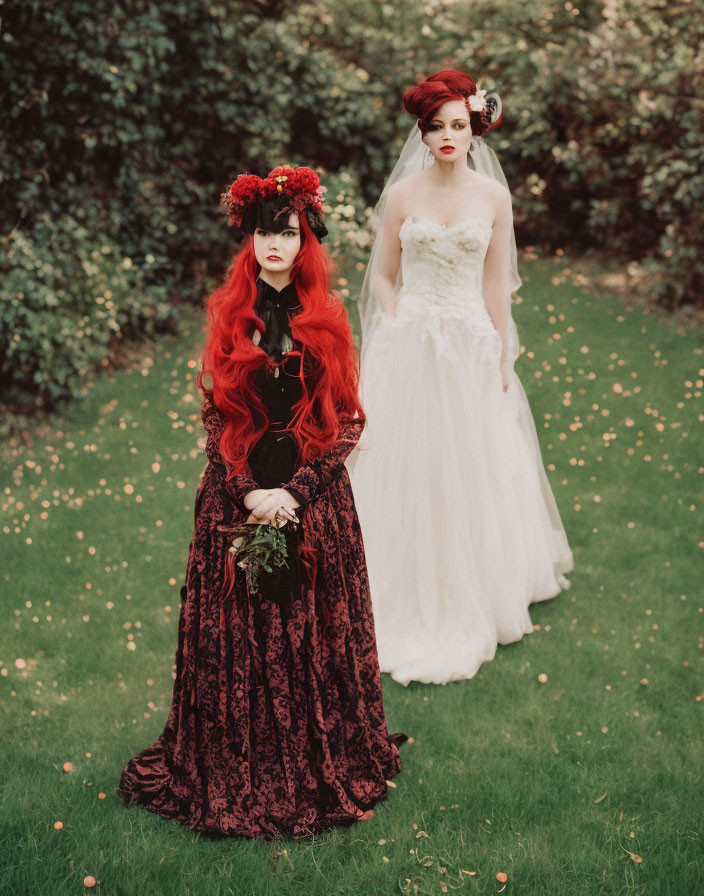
[277,280]
[450,174]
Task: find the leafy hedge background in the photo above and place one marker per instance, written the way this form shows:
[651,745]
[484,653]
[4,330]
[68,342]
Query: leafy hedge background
[124,120]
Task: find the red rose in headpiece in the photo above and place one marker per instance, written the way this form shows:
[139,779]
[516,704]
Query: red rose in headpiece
[301,185]
[305,180]
[245,189]
[245,185]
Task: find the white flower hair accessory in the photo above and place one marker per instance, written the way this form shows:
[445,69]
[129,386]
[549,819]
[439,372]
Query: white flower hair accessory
[490,105]
[477,101]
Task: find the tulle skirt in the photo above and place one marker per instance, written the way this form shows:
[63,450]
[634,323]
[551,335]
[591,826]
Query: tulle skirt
[460,526]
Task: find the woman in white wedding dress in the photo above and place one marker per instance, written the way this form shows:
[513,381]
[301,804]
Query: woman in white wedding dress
[460,527]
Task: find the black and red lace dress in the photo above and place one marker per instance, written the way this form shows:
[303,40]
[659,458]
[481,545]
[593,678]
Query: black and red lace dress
[277,721]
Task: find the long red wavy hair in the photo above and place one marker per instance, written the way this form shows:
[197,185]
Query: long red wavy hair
[329,372]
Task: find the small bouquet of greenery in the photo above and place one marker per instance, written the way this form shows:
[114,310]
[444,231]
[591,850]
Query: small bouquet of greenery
[256,547]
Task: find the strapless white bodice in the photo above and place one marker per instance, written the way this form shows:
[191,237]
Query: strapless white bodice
[443,260]
[441,274]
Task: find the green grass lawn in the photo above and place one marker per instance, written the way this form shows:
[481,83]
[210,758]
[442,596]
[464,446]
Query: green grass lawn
[587,782]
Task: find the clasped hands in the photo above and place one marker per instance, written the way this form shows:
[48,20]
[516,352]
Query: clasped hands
[271,505]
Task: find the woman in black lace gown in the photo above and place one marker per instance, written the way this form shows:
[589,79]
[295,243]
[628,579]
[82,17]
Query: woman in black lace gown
[277,721]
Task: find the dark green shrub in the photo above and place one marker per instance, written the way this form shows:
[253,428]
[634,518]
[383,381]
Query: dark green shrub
[123,120]
[67,297]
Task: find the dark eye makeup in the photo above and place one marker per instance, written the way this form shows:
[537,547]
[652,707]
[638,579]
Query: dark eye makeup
[460,125]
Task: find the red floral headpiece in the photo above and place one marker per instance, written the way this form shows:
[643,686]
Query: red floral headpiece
[300,185]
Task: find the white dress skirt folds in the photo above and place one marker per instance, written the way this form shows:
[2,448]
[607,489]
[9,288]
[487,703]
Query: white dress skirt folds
[460,527]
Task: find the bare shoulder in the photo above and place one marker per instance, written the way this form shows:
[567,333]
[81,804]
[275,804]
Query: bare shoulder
[500,198]
[397,199]
[498,191]
[406,187]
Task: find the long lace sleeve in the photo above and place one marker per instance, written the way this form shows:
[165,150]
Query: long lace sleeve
[498,281]
[214,422]
[313,479]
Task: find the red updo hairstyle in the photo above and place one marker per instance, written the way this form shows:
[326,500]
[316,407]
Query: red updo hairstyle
[425,99]
[329,387]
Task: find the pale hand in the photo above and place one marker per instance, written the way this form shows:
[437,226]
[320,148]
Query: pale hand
[506,369]
[265,502]
[256,496]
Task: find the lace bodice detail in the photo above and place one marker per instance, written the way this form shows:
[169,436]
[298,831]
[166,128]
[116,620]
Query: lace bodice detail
[444,261]
[441,271]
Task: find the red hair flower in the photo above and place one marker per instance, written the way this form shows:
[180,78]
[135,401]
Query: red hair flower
[306,180]
[244,190]
[301,185]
